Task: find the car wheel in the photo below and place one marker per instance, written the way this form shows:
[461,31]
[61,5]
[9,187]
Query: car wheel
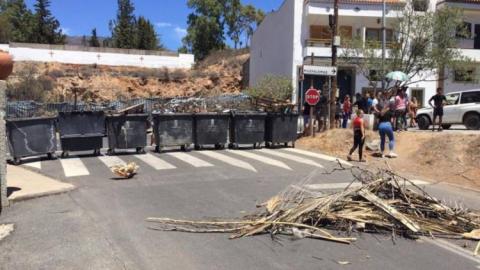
[472,121]
[423,122]
[446,126]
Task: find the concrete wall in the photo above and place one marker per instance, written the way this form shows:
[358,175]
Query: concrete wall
[87,57]
[272,44]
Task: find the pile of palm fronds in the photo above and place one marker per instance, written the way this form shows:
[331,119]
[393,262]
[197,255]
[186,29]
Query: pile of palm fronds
[125,170]
[383,203]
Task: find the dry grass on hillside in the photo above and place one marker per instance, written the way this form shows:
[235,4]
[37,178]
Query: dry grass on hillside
[219,73]
[442,157]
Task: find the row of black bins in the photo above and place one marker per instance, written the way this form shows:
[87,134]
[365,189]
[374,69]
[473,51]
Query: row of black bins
[84,131]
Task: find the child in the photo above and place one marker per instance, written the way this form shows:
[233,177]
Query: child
[358,136]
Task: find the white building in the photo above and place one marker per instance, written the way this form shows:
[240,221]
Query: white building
[288,37]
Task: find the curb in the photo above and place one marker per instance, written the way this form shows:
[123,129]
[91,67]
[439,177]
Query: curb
[42,194]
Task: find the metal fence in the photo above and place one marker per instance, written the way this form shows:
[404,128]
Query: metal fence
[28,109]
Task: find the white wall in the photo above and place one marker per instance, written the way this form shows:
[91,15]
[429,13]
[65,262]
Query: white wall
[272,45]
[184,61]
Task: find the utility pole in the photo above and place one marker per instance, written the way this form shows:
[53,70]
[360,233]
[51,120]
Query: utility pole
[333,92]
[384,41]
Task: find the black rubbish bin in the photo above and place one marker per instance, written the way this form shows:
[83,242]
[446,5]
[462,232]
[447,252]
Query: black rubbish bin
[31,137]
[281,128]
[211,129]
[127,132]
[247,128]
[175,129]
[81,131]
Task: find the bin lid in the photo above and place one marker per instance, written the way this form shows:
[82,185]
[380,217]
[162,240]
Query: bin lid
[30,119]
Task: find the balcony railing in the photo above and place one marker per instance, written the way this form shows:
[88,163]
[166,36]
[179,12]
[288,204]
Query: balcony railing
[317,42]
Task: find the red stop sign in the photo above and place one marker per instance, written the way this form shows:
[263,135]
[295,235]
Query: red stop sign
[312,97]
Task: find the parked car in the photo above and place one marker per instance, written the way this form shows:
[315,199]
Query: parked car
[462,108]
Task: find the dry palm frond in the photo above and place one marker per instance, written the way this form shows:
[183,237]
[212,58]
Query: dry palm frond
[125,171]
[385,202]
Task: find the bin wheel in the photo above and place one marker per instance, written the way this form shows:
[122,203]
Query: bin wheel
[286,144]
[185,147]
[198,147]
[111,152]
[268,144]
[64,154]
[219,146]
[158,149]
[96,152]
[140,150]
[51,156]
[233,146]
[17,161]
[293,144]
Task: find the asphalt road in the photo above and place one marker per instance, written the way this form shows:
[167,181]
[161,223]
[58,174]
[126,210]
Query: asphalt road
[101,224]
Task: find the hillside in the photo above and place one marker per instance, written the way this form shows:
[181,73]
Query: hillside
[219,73]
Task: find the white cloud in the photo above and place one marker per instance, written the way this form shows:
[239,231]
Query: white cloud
[181,32]
[164,24]
[65,31]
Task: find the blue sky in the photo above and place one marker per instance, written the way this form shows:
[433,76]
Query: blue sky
[78,18]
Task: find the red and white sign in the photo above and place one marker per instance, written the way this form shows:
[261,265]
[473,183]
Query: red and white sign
[312,97]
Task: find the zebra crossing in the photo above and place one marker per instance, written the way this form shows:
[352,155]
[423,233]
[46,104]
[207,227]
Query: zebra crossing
[252,161]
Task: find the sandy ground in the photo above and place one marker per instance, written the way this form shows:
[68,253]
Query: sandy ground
[437,157]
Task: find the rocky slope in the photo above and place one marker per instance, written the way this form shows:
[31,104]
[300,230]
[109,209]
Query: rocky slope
[220,73]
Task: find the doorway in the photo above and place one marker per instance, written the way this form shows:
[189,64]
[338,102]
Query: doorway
[476,42]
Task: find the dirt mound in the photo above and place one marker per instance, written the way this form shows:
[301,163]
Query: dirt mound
[219,73]
[440,157]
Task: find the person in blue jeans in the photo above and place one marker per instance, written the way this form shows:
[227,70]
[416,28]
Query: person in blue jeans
[385,129]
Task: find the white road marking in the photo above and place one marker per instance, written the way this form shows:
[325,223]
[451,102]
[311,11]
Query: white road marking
[229,160]
[74,167]
[352,185]
[452,248]
[35,165]
[194,161]
[291,157]
[111,161]
[318,155]
[155,162]
[266,160]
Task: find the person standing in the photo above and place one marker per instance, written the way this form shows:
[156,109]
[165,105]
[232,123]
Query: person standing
[347,111]
[369,103]
[439,101]
[306,119]
[338,113]
[400,110]
[412,111]
[358,136]
[385,129]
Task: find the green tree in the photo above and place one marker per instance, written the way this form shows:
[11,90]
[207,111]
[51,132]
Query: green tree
[18,22]
[421,44]
[93,41]
[233,19]
[147,38]
[124,27]
[250,19]
[205,31]
[46,29]
[272,87]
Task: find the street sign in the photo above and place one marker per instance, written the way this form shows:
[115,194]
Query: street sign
[319,70]
[312,97]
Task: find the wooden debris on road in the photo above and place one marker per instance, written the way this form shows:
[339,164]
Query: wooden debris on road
[125,171]
[384,203]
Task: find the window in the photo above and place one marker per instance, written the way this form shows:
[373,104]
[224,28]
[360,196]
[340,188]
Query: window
[420,5]
[452,99]
[464,75]
[419,94]
[375,34]
[470,97]
[464,31]
[320,32]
